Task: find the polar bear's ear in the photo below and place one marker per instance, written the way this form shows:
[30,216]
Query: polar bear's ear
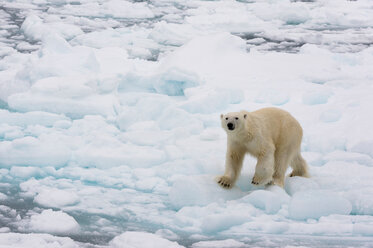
[221,116]
[244,116]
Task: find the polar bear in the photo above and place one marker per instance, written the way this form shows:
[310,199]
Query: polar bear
[271,135]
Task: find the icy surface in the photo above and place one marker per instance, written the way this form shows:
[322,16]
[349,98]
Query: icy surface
[55,222]
[315,204]
[33,240]
[139,240]
[220,243]
[110,133]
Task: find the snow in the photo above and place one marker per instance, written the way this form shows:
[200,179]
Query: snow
[33,240]
[190,191]
[34,28]
[110,132]
[270,200]
[219,243]
[140,239]
[55,222]
[3,197]
[56,198]
[316,203]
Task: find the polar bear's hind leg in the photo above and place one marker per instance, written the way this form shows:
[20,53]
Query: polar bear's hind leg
[299,166]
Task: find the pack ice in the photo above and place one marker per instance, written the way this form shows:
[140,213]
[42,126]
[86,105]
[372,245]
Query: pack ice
[110,132]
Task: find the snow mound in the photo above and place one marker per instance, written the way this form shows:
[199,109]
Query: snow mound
[142,240]
[36,29]
[270,200]
[54,222]
[56,198]
[30,118]
[32,151]
[298,184]
[35,240]
[314,204]
[215,223]
[190,191]
[228,243]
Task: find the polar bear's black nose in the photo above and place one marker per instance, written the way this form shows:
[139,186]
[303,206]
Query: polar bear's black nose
[230,126]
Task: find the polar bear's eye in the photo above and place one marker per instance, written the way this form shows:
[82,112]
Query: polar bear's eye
[236,118]
[226,118]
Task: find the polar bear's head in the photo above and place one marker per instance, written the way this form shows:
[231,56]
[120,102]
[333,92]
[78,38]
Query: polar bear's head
[233,122]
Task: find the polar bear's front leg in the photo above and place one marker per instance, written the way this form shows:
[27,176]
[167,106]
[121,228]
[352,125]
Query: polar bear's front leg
[233,165]
[264,168]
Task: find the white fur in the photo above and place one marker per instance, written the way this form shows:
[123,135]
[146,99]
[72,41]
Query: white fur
[271,135]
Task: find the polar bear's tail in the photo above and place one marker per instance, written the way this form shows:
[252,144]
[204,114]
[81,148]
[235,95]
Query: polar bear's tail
[299,165]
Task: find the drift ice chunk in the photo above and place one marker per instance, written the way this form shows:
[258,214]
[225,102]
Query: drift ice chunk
[40,240]
[364,229]
[34,28]
[167,234]
[174,34]
[25,172]
[142,240]
[206,100]
[211,58]
[314,204]
[126,9]
[104,105]
[361,203]
[30,118]
[173,118]
[56,198]
[270,200]
[3,197]
[54,222]
[227,243]
[174,81]
[55,44]
[215,223]
[34,152]
[189,191]
[297,184]
[66,87]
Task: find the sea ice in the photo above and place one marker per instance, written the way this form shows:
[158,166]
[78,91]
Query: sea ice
[110,132]
[34,28]
[140,240]
[316,97]
[299,184]
[316,203]
[32,151]
[3,197]
[56,198]
[54,222]
[270,200]
[219,244]
[26,171]
[191,191]
[34,240]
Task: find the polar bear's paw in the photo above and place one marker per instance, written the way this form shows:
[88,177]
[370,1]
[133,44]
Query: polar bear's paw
[257,180]
[225,182]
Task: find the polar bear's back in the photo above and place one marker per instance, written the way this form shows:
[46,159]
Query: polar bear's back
[280,126]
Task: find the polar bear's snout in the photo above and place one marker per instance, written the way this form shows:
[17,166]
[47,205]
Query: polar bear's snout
[230,126]
[231,121]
